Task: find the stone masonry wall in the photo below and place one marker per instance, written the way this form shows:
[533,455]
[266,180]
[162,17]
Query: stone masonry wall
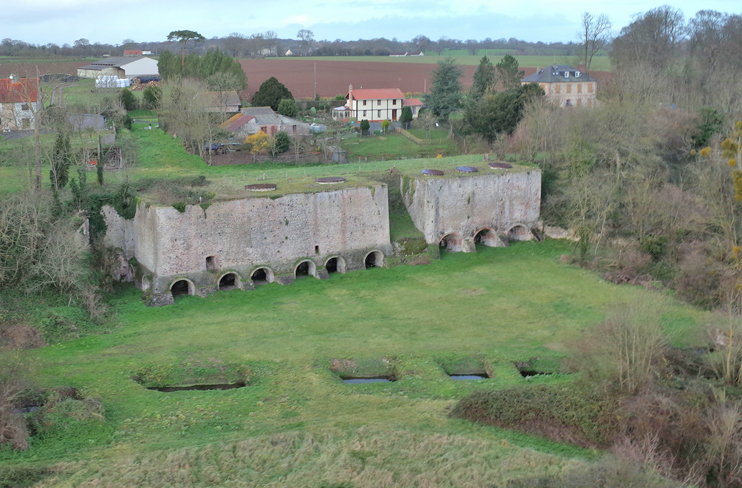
[242,235]
[465,205]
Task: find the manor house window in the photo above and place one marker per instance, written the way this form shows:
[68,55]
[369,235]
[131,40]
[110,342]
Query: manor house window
[378,102]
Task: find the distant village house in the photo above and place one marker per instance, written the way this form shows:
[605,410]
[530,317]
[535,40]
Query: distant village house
[565,86]
[375,105]
[254,119]
[19,103]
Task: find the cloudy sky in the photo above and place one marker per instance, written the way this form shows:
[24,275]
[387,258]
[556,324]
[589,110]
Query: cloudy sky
[107,21]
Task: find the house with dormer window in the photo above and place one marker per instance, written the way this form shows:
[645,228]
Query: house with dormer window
[565,86]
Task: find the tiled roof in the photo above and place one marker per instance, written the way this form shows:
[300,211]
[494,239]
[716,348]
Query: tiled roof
[235,122]
[23,90]
[376,93]
[263,115]
[557,73]
[412,102]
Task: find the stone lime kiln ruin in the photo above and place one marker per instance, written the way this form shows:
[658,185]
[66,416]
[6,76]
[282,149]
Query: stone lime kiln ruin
[314,228]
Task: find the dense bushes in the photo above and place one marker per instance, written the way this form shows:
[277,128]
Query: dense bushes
[661,409]
[204,67]
[563,413]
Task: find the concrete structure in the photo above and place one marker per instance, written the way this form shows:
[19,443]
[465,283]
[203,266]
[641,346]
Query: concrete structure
[565,86]
[253,119]
[491,207]
[126,67]
[241,243]
[19,103]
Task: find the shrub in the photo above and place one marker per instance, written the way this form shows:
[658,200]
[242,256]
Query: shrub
[562,413]
[152,96]
[179,206]
[281,143]
[128,100]
[655,246]
[365,126]
[288,108]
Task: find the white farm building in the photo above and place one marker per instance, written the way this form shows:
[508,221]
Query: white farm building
[128,67]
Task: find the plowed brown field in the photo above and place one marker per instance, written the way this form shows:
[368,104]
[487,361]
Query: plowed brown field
[333,77]
[42,67]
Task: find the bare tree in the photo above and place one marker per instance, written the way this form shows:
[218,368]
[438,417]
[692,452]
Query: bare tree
[235,44]
[594,34]
[306,36]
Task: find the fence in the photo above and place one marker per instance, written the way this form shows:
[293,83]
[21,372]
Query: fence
[417,140]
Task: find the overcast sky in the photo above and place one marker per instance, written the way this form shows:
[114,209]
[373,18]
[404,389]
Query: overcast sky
[106,21]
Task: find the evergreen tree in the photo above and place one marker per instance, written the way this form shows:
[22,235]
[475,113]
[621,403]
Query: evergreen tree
[499,113]
[61,160]
[484,78]
[365,126]
[281,143]
[152,96]
[270,94]
[406,117]
[508,73]
[288,108]
[445,94]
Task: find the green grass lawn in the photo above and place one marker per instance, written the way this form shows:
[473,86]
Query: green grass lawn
[297,424]
[393,146]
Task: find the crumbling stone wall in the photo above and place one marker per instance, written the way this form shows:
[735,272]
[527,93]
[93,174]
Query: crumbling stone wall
[462,206]
[242,235]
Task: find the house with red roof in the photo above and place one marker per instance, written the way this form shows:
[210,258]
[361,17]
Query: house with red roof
[19,103]
[253,119]
[375,105]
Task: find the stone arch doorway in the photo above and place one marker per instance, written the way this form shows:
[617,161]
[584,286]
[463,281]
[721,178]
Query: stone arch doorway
[519,232]
[229,281]
[453,242]
[486,237]
[182,287]
[335,264]
[262,276]
[374,259]
[304,269]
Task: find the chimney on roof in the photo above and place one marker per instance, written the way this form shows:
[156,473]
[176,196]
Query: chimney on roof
[350,93]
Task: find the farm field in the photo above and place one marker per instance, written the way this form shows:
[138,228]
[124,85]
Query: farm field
[335,73]
[297,423]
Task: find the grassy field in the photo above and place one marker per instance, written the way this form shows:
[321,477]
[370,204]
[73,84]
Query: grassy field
[297,424]
[600,63]
[393,146]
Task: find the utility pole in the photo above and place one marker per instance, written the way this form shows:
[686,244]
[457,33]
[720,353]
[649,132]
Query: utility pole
[315,81]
